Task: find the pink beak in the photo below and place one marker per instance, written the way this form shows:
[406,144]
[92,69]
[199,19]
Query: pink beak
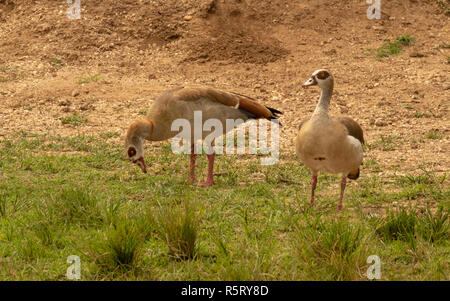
[141,163]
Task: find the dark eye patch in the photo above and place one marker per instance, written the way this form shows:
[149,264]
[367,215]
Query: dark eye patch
[131,152]
[322,75]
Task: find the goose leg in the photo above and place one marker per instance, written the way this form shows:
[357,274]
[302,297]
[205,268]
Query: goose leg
[343,183]
[313,187]
[210,178]
[192,165]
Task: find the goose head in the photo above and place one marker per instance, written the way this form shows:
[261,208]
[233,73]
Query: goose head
[137,133]
[321,78]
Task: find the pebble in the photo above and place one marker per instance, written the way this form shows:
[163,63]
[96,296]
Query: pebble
[75,93]
[380,122]
[187,18]
[64,103]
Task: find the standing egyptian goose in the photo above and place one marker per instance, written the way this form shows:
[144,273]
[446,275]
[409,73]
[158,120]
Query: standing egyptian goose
[180,104]
[327,144]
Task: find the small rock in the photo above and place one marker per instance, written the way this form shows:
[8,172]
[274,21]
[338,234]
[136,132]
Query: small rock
[187,18]
[64,103]
[86,107]
[416,54]
[380,122]
[75,93]
[330,52]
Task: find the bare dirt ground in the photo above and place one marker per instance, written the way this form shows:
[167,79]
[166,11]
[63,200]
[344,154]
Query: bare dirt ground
[264,49]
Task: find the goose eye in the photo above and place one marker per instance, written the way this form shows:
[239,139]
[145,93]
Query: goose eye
[131,152]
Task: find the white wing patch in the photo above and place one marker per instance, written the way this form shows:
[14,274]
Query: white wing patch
[356,144]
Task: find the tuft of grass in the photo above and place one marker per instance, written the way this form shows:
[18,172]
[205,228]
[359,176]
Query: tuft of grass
[55,61]
[76,205]
[388,48]
[398,225]
[394,48]
[123,244]
[405,40]
[74,119]
[143,112]
[89,78]
[179,229]
[330,249]
[109,135]
[434,134]
[435,228]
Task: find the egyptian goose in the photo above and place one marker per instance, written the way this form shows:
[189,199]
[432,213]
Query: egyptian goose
[329,144]
[181,103]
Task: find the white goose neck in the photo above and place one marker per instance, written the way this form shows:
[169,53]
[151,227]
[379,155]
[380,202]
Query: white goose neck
[324,100]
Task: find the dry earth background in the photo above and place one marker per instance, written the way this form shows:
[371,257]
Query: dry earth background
[264,49]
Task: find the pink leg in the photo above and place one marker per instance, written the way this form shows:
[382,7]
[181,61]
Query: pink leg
[192,165]
[210,179]
[343,183]
[313,187]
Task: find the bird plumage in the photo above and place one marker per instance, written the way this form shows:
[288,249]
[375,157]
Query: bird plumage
[327,144]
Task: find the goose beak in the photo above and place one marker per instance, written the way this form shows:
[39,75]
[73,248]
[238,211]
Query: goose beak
[310,82]
[141,163]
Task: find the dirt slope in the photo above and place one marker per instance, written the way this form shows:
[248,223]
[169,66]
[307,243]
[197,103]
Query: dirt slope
[264,49]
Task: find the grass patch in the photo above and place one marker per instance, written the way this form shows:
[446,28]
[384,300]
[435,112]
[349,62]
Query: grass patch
[8,73]
[74,119]
[394,47]
[385,143]
[408,225]
[55,62]
[88,79]
[179,230]
[79,195]
[143,112]
[123,244]
[434,134]
[76,205]
[330,249]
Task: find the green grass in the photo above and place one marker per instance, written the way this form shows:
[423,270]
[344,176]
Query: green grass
[89,78]
[74,119]
[79,195]
[434,134]
[385,143]
[55,62]
[394,47]
[8,73]
[178,227]
[330,249]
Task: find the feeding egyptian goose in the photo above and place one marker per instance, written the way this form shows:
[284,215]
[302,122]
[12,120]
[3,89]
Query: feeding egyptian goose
[181,103]
[327,144]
